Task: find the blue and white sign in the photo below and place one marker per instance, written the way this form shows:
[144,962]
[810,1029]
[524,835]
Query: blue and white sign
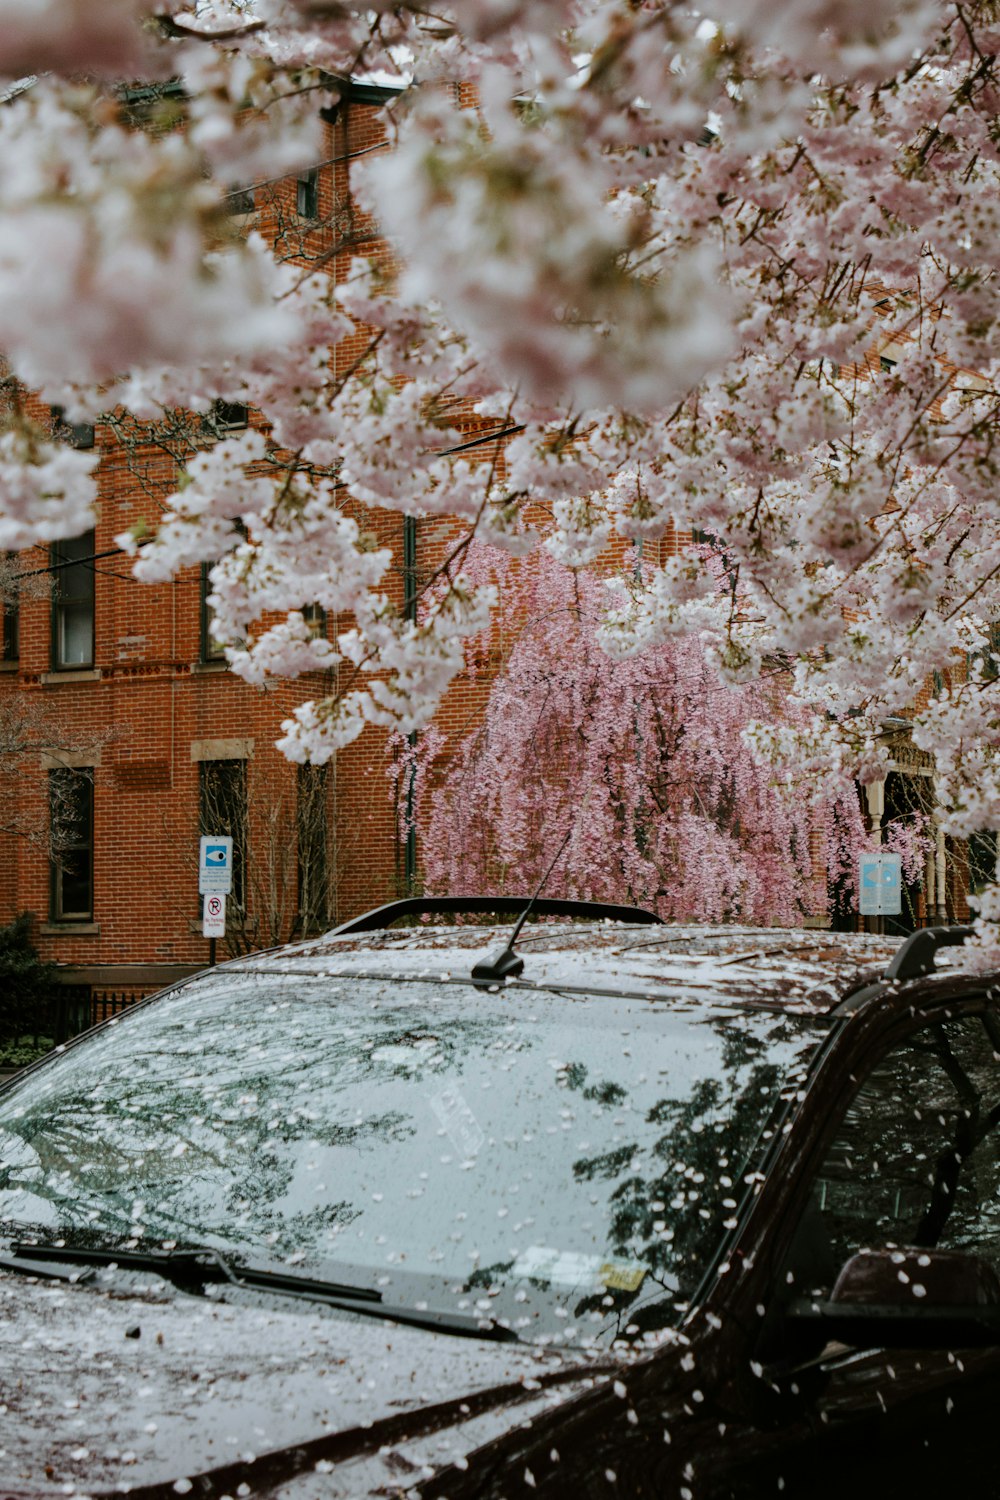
[215,866]
[880,882]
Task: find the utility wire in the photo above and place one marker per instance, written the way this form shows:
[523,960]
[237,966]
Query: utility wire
[489,437]
[330,161]
[73,562]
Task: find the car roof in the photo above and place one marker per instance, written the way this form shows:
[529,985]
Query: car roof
[785,968]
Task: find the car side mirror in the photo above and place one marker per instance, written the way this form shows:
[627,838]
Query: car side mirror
[908,1275]
[908,1297]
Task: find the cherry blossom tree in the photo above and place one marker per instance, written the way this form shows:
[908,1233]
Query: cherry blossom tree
[640,765]
[731,275]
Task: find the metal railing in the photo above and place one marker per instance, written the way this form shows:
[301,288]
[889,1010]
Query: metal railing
[71,1008]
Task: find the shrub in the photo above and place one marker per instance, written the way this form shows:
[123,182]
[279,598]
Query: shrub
[19,1054]
[25,982]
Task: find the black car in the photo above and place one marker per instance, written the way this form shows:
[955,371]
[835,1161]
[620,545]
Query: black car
[619,1209]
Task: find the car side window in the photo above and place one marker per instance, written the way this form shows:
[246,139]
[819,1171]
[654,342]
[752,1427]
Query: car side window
[916,1160]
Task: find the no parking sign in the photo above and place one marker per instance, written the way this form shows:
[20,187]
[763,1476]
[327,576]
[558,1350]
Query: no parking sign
[213,916]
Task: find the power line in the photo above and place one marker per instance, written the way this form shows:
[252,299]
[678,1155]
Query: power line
[73,562]
[489,437]
[329,161]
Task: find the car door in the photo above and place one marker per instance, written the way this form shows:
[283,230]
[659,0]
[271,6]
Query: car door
[914,1160]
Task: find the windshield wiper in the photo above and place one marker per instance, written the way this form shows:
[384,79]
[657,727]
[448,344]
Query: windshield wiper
[194,1268]
[191,1270]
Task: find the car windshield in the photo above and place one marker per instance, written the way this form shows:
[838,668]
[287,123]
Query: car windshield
[566,1166]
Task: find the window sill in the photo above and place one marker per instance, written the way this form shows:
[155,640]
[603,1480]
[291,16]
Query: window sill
[72,674]
[10,666]
[70,929]
[208,667]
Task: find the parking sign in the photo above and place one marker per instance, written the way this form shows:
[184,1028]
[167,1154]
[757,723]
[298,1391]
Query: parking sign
[215,866]
[880,884]
[213,917]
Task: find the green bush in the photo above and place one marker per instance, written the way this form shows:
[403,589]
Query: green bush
[29,1050]
[25,982]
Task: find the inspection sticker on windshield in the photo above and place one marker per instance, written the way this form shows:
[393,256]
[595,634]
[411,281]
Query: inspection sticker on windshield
[622,1275]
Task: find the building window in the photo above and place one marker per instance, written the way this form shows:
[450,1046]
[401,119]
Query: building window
[987,661]
[312,817]
[239,199]
[76,434]
[210,649]
[315,618]
[11,610]
[991,657]
[982,859]
[71,813]
[223,812]
[11,631]
[307,194]
[72,564]
[229,416]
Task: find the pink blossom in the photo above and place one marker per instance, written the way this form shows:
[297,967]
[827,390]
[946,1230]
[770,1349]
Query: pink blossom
[643,762]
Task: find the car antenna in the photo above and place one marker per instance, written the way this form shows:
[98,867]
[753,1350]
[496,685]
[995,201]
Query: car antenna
[504,963]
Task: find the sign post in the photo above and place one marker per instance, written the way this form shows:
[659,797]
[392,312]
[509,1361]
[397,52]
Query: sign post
[880,885]
[215,881]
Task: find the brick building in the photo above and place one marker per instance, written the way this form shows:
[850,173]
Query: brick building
[137,738]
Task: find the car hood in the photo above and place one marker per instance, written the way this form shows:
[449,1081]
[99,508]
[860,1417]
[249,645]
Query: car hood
[136,1388]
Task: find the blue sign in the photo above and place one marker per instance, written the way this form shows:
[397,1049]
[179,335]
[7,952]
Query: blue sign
[215,866]
[880,885]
